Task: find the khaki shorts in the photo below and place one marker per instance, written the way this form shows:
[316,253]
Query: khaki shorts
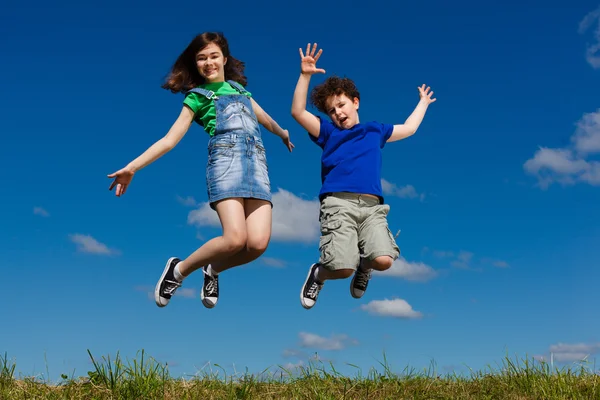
[354,226]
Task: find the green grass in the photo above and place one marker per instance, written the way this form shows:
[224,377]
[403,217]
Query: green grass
[145,378]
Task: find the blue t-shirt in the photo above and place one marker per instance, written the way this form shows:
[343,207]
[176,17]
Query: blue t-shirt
[351,159]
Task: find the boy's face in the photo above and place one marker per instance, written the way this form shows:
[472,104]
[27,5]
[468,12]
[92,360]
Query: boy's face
[342,110]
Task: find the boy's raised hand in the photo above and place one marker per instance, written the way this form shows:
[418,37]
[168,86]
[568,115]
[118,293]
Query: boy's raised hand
[308,64]
[425,94]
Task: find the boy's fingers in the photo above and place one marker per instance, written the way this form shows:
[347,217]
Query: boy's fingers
[318,55]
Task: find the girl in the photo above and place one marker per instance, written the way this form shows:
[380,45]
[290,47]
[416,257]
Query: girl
[236,173]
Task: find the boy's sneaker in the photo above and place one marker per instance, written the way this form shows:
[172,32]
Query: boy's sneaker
[310,289]
[210,290]
[167,284]
[359,283]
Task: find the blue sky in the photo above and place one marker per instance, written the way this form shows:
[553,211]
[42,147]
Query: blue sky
[494,195]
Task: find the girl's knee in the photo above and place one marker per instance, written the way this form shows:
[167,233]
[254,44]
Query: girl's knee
[235,241]
[257,244]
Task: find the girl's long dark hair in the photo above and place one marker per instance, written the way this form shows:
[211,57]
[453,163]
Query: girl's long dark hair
[184,73]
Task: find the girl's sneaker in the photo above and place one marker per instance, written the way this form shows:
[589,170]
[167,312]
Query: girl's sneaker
[167,284]
[210,290]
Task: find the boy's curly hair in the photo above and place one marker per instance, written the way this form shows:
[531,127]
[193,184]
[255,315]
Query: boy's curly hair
[333,86]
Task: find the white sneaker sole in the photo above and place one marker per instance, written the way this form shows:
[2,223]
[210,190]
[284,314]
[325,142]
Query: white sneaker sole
[352,287]
[310,271]
[205,300]
[157,298]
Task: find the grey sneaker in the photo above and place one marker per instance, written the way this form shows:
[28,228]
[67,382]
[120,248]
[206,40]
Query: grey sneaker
[359,283]
[210,290]
[167,284]
[311,288]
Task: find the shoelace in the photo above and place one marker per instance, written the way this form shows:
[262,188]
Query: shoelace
[362,278]
[212,285]
[313,291]
[171,286]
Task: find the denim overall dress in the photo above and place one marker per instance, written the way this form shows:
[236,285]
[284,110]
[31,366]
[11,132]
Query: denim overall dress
[237,162]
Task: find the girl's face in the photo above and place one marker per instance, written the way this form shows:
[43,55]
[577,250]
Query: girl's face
[211,63]
[343,111]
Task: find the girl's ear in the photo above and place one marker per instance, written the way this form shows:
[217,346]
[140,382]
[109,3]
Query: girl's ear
[224,60]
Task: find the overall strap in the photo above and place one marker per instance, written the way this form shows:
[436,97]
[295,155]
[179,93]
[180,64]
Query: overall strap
[238,87]
[209,94]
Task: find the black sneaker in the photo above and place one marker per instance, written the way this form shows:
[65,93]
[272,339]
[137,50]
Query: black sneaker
[310,289]
[359,283]
[210,290]
[167,284]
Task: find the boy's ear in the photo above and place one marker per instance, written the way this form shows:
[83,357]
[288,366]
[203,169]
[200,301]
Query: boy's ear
[356,102]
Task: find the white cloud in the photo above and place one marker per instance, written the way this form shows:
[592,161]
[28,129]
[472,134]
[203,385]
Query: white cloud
[587,134]
[288,353]
[188,201]
[500,264]
[273,262]
[411,271]
[463,260]
[203,216]
[87,244]
[570,165]
[564,352]
[294,219]
[40,211]
[396,308]
[592,54]
[188,293]
[289,367]
[443,254]
[405,192]
[335,342]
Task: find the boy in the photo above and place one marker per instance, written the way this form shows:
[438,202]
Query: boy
[355,237]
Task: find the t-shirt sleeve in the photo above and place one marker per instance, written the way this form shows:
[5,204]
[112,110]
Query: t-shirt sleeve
[193,101]
[386,132]
[324,133]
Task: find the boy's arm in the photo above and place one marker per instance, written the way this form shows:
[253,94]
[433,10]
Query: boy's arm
[308,67]
[305,118]
[412,123]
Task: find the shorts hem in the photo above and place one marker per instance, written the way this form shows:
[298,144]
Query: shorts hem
[393,254]
[332,268]
[213,200]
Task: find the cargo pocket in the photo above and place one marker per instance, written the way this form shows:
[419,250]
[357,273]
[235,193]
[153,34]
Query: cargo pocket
[393,240]
[326,248]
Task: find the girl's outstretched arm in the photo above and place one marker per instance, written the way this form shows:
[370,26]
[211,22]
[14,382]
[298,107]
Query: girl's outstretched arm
[123,177]
[412,123]
[269,123]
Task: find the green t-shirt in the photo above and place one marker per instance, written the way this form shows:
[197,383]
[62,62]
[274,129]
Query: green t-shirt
[203,108]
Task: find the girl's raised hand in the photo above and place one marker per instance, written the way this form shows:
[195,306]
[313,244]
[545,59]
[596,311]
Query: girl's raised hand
[425,94]
[308,63]
[122,179]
